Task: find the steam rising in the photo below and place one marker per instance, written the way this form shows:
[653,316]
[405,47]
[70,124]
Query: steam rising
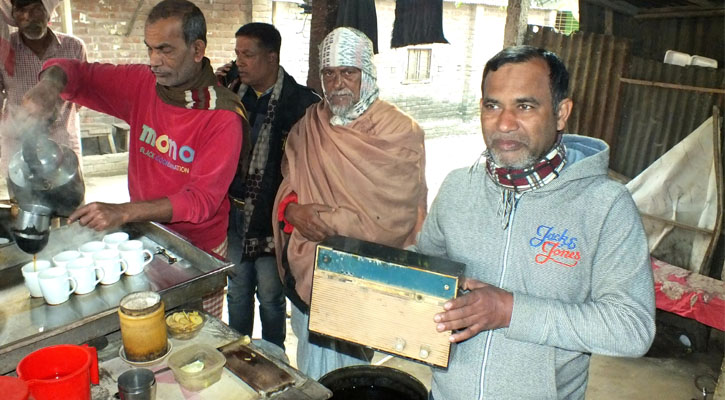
[19,125]
[44,178]
[68,237]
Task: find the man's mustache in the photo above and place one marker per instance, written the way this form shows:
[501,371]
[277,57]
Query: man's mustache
[342,92]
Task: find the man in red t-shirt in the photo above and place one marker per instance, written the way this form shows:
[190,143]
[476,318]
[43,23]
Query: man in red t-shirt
[186,130]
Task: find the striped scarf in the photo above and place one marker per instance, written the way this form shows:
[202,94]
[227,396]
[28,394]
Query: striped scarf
[516,181]
[253,247]
[206,94]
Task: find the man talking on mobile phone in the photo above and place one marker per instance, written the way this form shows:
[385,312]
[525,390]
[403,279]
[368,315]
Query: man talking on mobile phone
[274,102]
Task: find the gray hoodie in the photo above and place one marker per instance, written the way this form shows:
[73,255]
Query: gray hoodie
[574,256]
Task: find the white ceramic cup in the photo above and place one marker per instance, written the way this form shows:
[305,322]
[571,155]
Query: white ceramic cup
[134,254]
[113,266]
[30,274]
[63,258]
[88,248]
[56,285]
[112,240]
[86,274]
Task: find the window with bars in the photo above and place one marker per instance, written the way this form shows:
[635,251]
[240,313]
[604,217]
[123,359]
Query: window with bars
[418,69]
[566,23]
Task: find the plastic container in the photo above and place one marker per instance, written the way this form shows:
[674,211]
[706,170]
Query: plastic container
[213,363]
[13,388]
[703,61]
[677,58]
[60,372]
[183,331]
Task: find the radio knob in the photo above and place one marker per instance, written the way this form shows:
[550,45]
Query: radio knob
[424,352]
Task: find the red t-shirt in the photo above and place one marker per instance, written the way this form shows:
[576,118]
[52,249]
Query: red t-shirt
[187,156]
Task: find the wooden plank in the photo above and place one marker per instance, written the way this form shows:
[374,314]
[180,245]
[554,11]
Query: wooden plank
[608,21]
[92,130]
[393,320]
[255,369]
[122,130]
[693,12]
[619,6]
[672,86]
[676,224]
[717,158]
[132,21]
[67,17]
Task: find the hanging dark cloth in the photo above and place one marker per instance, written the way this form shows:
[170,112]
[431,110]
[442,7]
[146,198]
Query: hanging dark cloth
[361,15]
[417,22]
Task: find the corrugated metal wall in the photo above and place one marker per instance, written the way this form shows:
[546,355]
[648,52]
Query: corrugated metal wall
[595,63]
[652,37]
[640,123]
[654,119]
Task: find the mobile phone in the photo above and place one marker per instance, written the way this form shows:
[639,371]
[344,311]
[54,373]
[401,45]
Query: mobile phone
[232,74]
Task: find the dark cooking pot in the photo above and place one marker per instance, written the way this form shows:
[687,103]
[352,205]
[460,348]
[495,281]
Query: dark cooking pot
[369,382]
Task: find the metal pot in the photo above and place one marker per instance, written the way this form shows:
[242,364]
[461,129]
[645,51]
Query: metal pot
[370,382]
[45,180]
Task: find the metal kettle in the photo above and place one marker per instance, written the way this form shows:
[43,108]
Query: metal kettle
[44,180]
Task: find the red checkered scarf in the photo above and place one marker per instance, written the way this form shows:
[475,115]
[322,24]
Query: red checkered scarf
[516,181]
[536,176]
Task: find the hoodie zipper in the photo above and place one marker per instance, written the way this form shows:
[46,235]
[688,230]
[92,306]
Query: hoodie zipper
[489,336]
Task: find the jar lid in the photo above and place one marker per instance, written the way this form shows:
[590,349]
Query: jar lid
[140,303]
[13,388]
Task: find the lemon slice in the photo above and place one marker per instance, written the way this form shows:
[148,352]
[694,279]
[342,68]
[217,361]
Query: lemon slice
[194,367]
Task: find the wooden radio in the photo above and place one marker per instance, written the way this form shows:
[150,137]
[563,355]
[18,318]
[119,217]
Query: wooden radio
[382,297]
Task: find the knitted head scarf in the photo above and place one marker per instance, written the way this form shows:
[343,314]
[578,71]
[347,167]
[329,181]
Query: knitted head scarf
[348,47]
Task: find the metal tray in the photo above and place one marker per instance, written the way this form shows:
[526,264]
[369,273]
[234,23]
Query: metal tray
[29,323]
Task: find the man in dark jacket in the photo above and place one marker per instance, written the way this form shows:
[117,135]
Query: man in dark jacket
[274,102]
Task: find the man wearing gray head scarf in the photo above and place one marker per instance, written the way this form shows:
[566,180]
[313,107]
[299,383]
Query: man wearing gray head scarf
[347,48]
[354,166]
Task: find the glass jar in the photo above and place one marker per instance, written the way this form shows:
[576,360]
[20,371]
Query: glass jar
[143,329]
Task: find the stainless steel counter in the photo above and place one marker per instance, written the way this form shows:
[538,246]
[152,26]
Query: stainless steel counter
[27,324]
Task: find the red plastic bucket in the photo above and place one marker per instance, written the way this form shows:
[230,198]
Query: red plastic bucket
[13,388]
[60,372]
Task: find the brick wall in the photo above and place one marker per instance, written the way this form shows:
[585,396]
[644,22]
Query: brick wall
[445,104]
[294,27]
[113,32]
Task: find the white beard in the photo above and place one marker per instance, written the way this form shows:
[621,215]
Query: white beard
[340,110]
[30,35]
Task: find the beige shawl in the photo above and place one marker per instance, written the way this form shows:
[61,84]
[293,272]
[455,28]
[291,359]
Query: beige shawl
[372,172]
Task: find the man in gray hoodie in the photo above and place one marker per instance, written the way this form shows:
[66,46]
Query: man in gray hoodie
[557,266]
